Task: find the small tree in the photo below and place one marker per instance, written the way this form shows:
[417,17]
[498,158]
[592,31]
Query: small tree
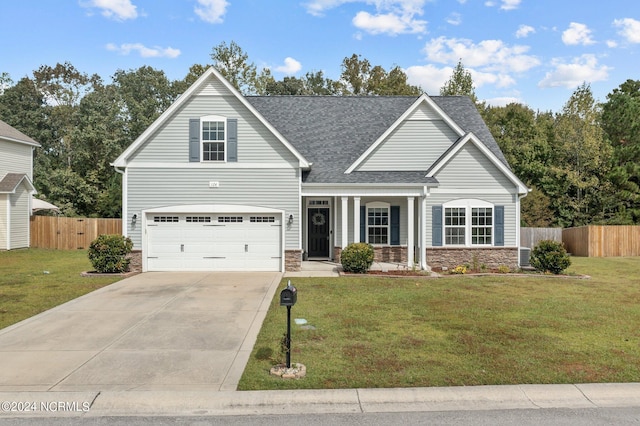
[357,258]
[550,256]
[107,253]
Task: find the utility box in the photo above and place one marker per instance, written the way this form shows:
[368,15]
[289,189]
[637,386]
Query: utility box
[288,296]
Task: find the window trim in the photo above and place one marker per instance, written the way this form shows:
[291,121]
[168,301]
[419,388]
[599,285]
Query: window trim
[219,119]
[468,205]
[378,205]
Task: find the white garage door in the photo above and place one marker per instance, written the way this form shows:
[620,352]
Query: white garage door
[213,242]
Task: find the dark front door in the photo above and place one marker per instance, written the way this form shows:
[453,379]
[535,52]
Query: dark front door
[318,229]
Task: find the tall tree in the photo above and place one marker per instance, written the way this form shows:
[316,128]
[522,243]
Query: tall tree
[233,63]
[146,93]
[621,125]
[581,161]
[358,77]
[355,74]
[460,84]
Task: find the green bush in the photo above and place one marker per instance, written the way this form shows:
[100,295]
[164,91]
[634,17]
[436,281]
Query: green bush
[357,258]
[550,256]
[107,253]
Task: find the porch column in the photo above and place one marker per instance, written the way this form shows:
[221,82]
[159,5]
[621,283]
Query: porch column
[356,219]
[345,221]
[410,231]
[423,232]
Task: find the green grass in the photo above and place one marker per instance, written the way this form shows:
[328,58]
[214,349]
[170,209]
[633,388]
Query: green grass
[453,331]
[34,280]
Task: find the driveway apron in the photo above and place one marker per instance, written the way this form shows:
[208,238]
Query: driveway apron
[153,331]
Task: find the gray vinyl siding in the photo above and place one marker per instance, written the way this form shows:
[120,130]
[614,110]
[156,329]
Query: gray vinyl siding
[414,146]
[471,169]
[19,232]
[15,158]
[158,187]
[256,144]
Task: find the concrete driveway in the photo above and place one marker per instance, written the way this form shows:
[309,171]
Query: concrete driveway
[153,331]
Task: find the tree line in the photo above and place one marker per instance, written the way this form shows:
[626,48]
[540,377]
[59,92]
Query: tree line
[582,163]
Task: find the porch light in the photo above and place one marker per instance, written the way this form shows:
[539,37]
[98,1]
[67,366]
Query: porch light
[290,219]
[134,219]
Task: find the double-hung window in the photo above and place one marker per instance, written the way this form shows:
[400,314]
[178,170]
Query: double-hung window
[378,223]
[481,225]
[455,225]
[213,138]
[468,223]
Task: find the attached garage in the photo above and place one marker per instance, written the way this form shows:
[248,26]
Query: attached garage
[212,238]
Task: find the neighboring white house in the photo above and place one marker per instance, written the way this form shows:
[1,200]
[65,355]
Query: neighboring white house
[16,187]
[226,182]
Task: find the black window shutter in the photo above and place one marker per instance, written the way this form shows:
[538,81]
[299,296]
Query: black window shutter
[395,225]
[194,140]
[499,225]
[436,226]
[363,224]
[232,140]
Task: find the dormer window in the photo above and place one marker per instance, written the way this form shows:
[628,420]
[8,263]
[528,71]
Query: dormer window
[213,138]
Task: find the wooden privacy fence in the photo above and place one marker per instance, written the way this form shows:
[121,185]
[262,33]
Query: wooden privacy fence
[530,237]
[70,233]
[602,241]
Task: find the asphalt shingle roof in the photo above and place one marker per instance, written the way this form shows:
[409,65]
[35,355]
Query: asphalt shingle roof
[9,132]
[9,182]
[333,131]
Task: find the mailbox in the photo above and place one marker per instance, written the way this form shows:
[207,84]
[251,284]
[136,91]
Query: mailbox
[289,295]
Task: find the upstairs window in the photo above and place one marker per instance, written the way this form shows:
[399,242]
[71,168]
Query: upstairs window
[213,139]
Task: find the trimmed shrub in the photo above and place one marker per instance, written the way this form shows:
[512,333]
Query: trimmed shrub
[107,253]
[357,257]
[550,256]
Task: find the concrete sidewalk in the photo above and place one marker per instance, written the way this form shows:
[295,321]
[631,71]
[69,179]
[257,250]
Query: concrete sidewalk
[203,403]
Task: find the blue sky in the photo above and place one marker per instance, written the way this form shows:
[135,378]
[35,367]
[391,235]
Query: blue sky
[531,51]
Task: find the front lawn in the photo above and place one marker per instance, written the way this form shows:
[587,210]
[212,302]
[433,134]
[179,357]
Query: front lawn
[34,280]
[454,331]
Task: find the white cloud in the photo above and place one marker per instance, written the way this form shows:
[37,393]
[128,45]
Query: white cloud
[510,4]
[291,66]
[490,55]
[211,11]
[577,34]
[454,19]
[611,43]
[428,77]
[390,17]
[525,31]
[504,4]
[502,101]
[119,10]
[629,29]
[143,51]
[570,75]
[388,23]
[431,78]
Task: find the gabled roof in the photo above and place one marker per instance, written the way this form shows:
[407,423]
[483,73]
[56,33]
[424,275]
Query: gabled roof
[11,181]
[332,132]
[424,99]
[471,138]
[123,158]
[14,135]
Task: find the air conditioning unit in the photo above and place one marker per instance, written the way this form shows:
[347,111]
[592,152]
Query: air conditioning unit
[525,255]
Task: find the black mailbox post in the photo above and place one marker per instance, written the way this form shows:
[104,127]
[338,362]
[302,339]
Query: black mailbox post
[288,298]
